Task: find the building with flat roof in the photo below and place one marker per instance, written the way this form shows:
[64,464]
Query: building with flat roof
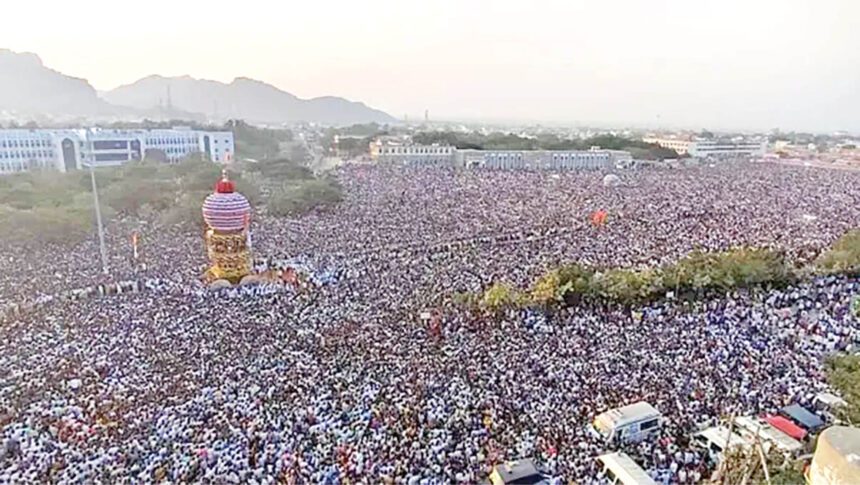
[711,148]
[534,159]
[397,151]
[70,149]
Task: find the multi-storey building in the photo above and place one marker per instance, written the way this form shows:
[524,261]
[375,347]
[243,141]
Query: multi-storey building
[409,153]
[395,151]
[727,149]
[535,159]
[64,150]
[711,148]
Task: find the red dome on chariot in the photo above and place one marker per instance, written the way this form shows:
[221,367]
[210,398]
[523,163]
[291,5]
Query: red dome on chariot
[225,185]
[226,210]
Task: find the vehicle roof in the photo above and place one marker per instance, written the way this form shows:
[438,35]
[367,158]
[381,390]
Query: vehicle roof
[720,436]
[786,426]
[830,399]
[803,416]
[627,414]
[768,432]
[517,471]
[627,470]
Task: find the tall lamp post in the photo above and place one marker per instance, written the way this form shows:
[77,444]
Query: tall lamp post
[98,210]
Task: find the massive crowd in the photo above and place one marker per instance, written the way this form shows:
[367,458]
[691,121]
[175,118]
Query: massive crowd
[345,384]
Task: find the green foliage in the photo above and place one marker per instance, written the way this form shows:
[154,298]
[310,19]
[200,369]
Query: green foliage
[365,129]
[699,272]
[48,224]
[185,211]
[53,206]
[298,197]
[575,280]
[352,147]
[547,289]
[501,296]
[465,298]
[843,373]
[257,143]
[843,257]
[280,170]
[744,465]
[49,206]
[627,286]
[737,268]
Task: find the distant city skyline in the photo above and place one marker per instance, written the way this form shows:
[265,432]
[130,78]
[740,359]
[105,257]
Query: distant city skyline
[732,64]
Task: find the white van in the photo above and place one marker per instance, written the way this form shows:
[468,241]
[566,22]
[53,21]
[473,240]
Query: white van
[628,424]
[621,469]
[716,440]
[829,405]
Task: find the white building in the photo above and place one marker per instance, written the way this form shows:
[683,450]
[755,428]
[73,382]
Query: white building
[535,159]
[395,151]
[409,153]
[64,150]
[727,149]
[711,148]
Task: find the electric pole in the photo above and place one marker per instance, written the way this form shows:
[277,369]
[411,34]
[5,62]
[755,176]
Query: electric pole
[98,210]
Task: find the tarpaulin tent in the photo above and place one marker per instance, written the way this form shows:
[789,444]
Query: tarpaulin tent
[802,417]
[786,426]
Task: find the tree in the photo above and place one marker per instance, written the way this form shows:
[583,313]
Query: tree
[297,197]
[843,373]
[744,465]
[547,289]
[155,155]
[628,287]
[500,297]
[843,257]
[576,281]
[257,143]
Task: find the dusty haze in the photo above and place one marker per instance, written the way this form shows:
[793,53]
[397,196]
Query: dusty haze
[745,64]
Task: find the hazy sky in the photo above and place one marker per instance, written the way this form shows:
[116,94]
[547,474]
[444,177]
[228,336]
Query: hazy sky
[793,64]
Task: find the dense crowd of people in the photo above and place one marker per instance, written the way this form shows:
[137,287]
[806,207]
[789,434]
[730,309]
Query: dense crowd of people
[346,384]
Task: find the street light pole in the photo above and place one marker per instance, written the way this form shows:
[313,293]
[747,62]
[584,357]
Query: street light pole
[101,230]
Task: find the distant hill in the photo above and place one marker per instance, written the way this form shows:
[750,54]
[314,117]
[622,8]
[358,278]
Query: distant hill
[244,98]
[28,87]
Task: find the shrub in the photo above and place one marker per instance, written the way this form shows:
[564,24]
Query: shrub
[843,257]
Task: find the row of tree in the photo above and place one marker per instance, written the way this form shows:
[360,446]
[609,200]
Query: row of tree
[844,256]
[511,141]
[843,373]
[50,206]
[698,274]
[294,189]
